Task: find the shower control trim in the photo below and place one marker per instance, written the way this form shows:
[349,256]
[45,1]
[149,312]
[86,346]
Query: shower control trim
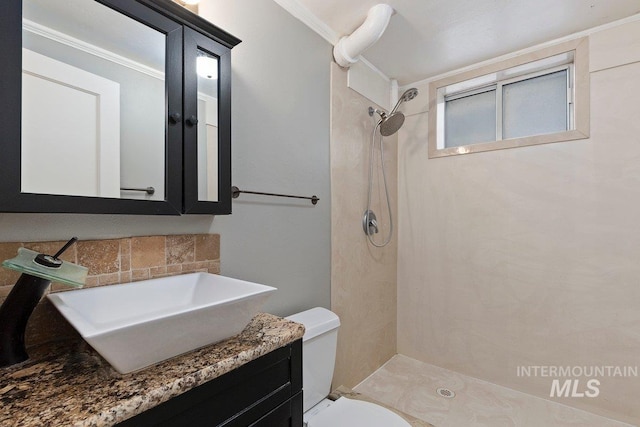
[369,223]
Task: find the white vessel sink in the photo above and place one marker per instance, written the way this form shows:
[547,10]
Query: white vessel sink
[135,325]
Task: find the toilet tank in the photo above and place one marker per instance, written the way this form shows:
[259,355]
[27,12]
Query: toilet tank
[318,352]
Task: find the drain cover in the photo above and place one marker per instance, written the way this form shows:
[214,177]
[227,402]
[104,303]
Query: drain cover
[445,392]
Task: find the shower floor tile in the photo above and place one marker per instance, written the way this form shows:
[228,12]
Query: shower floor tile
[410,386]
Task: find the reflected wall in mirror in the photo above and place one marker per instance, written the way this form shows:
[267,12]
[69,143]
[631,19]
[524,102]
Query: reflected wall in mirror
[207,70]
[93,102]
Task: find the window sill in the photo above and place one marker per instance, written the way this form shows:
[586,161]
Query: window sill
[507,143]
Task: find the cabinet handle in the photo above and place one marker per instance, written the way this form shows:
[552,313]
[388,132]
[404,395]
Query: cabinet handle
[175,118]
[192,121]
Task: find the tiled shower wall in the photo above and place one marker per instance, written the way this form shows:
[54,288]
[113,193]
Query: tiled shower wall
[363,278]
[111,262]
[529,256]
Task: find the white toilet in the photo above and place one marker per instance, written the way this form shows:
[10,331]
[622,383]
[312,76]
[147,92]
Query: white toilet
[318,360]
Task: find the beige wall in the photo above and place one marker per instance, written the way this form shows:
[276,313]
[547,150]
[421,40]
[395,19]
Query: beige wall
[363,278]
[530,256]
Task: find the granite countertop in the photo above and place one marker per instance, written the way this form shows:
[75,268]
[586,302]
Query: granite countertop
[76,387]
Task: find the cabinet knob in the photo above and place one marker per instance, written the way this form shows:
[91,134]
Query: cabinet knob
[192,121]
[175,118]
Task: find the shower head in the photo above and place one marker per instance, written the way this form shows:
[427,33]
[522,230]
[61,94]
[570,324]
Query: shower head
[408,95]
[391,124]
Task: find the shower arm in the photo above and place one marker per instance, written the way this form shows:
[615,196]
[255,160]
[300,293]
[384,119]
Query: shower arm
[382,114]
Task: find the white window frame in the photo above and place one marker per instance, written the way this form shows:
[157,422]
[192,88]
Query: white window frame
[571,56]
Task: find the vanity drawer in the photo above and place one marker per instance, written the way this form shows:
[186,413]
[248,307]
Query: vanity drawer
[239,398]
[288,414]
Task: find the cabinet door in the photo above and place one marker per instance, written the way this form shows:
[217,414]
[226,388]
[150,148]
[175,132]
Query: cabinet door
[67,148]
[207,131]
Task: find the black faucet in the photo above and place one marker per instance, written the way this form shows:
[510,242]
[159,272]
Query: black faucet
[18,306]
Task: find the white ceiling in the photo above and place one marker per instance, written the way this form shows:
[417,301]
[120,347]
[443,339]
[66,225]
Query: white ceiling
[429,37]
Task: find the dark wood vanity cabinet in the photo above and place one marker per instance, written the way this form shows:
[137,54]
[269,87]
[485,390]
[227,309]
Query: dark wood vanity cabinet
[266,392]
[118,106]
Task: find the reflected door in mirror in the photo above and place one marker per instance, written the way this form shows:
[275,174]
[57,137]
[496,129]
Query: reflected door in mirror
[70,124]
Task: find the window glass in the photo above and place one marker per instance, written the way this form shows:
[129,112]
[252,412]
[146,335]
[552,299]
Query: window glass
[470,119]
[535,106]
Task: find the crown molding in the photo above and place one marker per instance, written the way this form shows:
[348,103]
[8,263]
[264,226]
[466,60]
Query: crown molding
[91,49]
[374,69]
[303,14]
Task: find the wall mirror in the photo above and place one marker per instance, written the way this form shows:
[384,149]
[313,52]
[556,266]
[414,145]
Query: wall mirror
[93,92]
[207,75]
[124,108]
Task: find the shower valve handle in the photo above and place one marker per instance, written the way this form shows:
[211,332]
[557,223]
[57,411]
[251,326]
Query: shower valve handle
[373,225]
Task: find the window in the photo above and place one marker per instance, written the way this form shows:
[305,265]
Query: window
[537,98]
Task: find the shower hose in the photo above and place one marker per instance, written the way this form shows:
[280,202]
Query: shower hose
[386,190]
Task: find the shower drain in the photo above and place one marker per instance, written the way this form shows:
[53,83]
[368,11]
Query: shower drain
[445,392]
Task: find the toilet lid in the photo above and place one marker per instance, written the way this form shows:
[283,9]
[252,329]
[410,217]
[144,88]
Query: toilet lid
[355,413]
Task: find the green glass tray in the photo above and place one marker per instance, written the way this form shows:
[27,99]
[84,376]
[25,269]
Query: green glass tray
[68,273]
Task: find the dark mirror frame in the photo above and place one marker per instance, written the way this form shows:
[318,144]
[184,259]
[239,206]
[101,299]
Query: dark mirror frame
[180,164]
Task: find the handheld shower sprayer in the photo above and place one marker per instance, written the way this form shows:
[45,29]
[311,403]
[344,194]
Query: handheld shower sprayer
[389,124]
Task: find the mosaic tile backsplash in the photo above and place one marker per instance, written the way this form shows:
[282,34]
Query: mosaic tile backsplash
[111,262]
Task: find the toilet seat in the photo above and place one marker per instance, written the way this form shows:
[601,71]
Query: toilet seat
[354,413]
